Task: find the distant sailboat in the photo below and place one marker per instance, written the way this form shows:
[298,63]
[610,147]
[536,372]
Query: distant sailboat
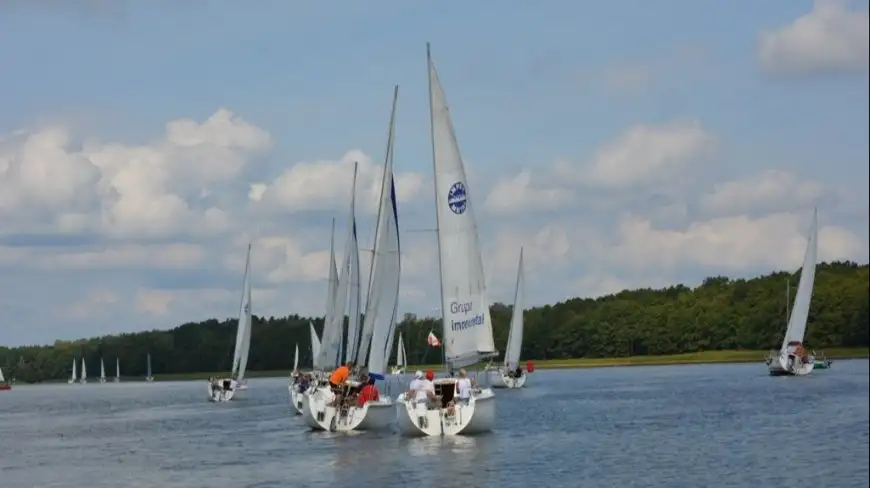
[148,376]
[793,359]
[102,371]
[225,389]
[74,377]
[4,385]
[117,370]
[399,368]
[507,375]
[466,321]
[84,376]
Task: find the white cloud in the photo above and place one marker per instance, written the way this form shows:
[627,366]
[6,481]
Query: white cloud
[95,303]
[326,184]
[49,184]
[155,256]
[732,244]
[831,38]
[519,195]
[771,190]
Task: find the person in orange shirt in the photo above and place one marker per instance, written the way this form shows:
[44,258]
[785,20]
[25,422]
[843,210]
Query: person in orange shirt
[369,393]
[337,379]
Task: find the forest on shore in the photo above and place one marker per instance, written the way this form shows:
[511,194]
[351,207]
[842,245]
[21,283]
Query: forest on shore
[719,314]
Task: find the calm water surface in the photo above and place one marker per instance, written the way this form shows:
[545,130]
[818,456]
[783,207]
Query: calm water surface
[678,426]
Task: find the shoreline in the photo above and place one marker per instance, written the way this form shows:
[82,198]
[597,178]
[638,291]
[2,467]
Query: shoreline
[705,357]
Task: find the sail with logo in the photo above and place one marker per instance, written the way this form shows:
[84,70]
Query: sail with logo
[225,389]
[467,325]
[372,347]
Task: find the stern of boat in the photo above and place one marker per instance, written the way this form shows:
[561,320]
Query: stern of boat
[316,412]
[476,417]
[416,420]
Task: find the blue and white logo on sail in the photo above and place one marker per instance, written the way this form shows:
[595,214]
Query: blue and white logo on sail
[457,199]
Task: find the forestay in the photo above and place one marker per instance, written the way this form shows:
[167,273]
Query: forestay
[797,323]
[467,324]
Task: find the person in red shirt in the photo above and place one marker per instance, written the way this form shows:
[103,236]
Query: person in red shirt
[368,393]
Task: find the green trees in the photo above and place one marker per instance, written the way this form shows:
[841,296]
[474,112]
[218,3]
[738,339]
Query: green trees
[719,314]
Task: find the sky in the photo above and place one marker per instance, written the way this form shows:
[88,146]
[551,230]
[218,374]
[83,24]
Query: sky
[620,144]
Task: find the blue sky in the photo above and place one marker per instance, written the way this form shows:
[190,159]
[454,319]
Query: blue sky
[727,125]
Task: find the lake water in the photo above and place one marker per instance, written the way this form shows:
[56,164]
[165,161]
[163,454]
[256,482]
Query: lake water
[670,426]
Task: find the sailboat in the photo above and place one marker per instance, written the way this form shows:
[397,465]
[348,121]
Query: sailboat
[299,380]
[466,322]
[84,377]
[510,375]
[225,389]
[74,373]
[102,371]
[793,359]
[371,345]
[399,368]
[325,349]
[4,385]
[148,376]
[117,370]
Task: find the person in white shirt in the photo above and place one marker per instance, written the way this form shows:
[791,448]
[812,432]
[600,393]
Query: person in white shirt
[464,386]
[422,388]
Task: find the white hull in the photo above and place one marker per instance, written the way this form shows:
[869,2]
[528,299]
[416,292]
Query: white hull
[318,415]
[295,399]
[149,379]
[498,378]
[785,366]
[477,417]
[397,371]
[71,382]
[220,394]
[102,380]
[83,382]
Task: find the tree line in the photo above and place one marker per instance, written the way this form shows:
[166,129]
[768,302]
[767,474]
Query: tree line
[719,314]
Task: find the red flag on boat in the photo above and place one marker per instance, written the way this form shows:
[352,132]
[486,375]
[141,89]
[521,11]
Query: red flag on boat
[432,340]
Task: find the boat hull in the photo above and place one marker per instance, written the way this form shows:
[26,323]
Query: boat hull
[476,417]
[218,395]
[5,387]
[320,415]
[499,378]
[788,366]
[296,399]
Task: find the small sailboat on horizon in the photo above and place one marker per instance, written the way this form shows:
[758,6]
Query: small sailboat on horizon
[401,361]
[74,376]
[102,372]
[510,374]
[148,377]
[84,377]
[792,358]
[226,388]
[117,370]
[4,385]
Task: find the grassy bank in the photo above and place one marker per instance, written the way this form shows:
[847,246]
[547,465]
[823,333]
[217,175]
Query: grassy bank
[689,358]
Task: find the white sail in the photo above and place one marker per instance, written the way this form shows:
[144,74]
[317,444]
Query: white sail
[148,375]
[84,375]
[2,378]
[243,332]
[383,293]
[797,322]
[467,325]
[296,359]
[400,353]
[315,344]
[74,372]
[332,336]
[330,342]
[117,368]
[515,336]
[102,370]
[354,295]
